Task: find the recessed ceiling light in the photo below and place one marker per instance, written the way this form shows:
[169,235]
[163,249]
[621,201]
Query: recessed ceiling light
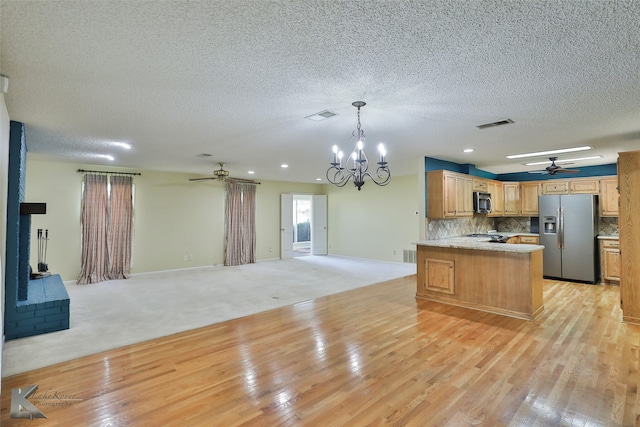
[318,179]
[124,145]
[545,153]
[250,172]
[563,161]
[468,150]
[284,166]
[322,115]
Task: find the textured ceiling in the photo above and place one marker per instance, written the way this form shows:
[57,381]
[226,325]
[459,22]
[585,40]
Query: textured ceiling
[236,79]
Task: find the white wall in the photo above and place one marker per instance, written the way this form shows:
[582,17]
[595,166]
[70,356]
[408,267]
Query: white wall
[174,218]
[376,222]
[4,169]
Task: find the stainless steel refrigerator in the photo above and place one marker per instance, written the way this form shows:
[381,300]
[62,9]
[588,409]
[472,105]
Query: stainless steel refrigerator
[568,232]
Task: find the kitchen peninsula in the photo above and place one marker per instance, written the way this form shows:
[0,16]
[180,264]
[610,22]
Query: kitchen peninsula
[472,272]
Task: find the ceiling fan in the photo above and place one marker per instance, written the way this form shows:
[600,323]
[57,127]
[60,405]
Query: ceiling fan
[554,169]
[223,175]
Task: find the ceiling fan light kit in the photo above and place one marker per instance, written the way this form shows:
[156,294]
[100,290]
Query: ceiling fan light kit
[223,175]
[357,164]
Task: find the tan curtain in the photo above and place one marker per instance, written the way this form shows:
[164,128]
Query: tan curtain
[240,224]
[94,220]
[120,224]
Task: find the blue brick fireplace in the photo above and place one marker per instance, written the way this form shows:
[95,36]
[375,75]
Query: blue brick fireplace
[32,307]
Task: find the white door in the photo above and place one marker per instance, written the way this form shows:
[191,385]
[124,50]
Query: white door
[319,225]
[286,226]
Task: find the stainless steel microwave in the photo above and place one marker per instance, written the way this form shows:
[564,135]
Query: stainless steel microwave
[481,202]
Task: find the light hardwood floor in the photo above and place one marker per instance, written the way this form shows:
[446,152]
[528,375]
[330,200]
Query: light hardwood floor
[367,357]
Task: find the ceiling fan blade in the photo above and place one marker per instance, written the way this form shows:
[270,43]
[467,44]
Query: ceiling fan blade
[208,178]
[567,170]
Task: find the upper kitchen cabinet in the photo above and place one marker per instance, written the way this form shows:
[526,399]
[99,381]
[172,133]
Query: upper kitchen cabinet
[584,186]
[573,186]
[449,194]
[609,197]
[555,187]
[480,184]
[511,195]
[497,198]
[529,192]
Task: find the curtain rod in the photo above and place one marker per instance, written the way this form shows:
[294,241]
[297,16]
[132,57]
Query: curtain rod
[111,173]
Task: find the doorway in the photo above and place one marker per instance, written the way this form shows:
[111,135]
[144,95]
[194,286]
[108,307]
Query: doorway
[303,224]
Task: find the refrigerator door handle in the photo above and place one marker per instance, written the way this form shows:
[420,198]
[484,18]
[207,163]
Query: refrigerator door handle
[561,229]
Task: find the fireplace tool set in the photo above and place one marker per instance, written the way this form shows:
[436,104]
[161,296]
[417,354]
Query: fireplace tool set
[43,268]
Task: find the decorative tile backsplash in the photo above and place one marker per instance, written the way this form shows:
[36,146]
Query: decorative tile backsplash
[445,228]
[608,226]
[514,224]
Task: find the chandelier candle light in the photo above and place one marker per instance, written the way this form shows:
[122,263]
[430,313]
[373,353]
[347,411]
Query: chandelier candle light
[357,164]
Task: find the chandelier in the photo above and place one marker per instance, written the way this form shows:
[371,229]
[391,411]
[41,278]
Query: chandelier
[357,164]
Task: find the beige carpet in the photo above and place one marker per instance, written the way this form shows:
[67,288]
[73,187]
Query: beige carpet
[115,313]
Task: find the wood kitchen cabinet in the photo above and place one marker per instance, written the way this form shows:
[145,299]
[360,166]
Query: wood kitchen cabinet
[610,261]
[629,174]
[480,184]
[529,192]
[497,198]
[449,194]
[555,187]
[609,197]
[584,186]
[529,240]
[511,193]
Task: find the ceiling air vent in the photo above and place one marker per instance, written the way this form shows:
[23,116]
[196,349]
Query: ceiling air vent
[494,124]
[322,115]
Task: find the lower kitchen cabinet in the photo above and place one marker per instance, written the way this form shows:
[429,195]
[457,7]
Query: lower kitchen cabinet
[610,261]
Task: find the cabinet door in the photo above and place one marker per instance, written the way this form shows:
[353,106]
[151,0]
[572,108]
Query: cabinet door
[529,192]
[555,187]
[609,197]
[611,264]
[497,200]
[464,196]
[480,184]
[584,186]
[511,192]
[450,195]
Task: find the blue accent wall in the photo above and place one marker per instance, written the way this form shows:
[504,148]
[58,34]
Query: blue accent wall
[585,172]
[432,164]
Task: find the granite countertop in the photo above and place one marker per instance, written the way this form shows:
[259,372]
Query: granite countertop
[482,243]
[610,236]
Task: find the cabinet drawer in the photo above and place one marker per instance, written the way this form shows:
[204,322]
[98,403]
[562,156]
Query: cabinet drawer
[530,240]
[610,243]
